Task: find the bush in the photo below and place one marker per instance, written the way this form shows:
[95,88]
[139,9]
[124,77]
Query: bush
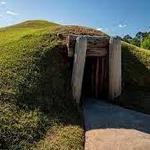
[146,43]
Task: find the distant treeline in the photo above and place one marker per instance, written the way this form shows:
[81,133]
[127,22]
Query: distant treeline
[141,39]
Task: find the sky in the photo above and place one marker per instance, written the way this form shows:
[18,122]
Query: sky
[115,17]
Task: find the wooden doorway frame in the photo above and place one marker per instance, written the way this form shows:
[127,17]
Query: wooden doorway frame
[84,47]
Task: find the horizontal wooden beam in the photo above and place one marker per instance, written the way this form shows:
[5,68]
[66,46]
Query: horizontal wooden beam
[96,52]
[96,45]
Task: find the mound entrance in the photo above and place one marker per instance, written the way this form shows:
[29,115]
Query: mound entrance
[97,66]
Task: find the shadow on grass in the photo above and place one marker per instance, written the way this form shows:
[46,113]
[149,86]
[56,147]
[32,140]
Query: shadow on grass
[50,89]
[136,82]
[47,90]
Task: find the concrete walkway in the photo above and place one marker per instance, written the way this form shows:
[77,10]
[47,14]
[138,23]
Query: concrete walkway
[110,127]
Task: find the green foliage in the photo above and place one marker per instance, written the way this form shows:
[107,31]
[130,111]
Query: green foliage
[35,95]
[140,39]
[136,77]
[20,127]
[135,42]
[37,111]
[69,137]
[136,66]
[35,92]
[146,43]
[127,38]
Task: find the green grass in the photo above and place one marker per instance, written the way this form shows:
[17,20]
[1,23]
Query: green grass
[35,91]
[38,111]
[136,77]
[36,105]
[136,66]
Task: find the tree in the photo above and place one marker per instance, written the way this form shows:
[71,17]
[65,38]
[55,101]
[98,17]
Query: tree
[146,42]
[127,38]
[141,39]
[140,36]
[136,42]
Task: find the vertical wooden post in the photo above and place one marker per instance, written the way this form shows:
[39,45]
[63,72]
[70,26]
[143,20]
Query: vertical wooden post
[102,74]
[114,68]
[97,77]
[78,67]
[93,78]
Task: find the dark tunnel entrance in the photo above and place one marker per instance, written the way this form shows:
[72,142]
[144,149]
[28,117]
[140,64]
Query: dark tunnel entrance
[96,71]
[95,79]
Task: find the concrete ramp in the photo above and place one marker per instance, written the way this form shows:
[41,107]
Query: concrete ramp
[110,127]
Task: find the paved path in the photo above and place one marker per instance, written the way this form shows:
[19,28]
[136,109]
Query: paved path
[110,127]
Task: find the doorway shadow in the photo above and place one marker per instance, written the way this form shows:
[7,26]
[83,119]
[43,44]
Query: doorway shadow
[101,115]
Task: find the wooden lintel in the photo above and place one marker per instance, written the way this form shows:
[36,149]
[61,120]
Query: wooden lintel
[96,45]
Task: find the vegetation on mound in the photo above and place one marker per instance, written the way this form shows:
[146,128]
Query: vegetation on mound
[141,39]
[35,96]
[136,77]
[136,66]
[36,100]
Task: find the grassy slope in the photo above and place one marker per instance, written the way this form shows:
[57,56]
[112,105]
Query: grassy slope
[34,86]
[136,77]
[36,102]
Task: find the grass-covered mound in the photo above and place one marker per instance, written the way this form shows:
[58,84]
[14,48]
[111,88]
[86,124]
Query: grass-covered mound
[37,111]
[136,77]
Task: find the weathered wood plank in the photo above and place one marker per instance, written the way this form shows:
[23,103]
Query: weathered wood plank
[97,52]
[96,45]
[78,67]
[93,78]
[97,77]
[102,76]
[114,68]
